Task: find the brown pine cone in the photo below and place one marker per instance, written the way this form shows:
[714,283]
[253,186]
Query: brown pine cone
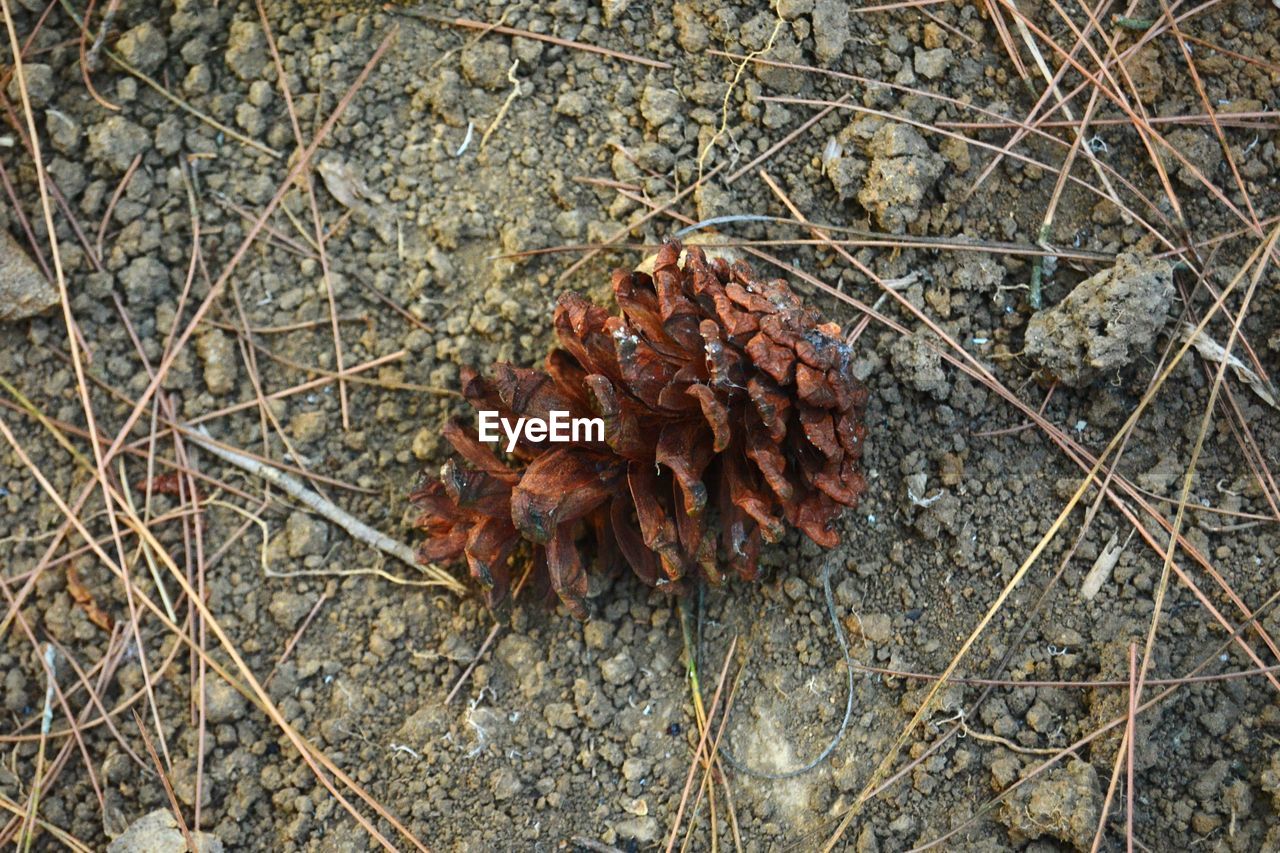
[729,411]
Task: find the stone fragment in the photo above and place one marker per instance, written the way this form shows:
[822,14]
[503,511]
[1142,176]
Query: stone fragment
[221,365]
[116,141]
[903,169]
[158,832]
[830,29]
[24,291]
[143,47]
[1105,323]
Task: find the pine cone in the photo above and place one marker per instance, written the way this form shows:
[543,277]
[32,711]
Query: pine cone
[729,412]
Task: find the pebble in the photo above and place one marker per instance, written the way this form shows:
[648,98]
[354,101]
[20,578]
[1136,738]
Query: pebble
[505,784]
[635,769]
[198,80]
[573,104]
[425,444]
[643,830]
[221,365]
[877,627]
[116,141]
[144,280]
[618,669]
[246,52]
[24,291]
[561,715]
[597,634]
[830,29]
[289,608]
[143,47]
[517,652]
[40,85]
[306,535]
[613,10]
[222,703]
[158,832]
[903,169]
[659,104]
[932,64]
[1040,717]
[1105,323]
[309,426]
[63,130]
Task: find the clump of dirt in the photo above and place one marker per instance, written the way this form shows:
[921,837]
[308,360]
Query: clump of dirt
[1106,322]
[903,170]
[1064,804]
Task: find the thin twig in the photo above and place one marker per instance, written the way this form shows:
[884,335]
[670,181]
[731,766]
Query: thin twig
[348,522]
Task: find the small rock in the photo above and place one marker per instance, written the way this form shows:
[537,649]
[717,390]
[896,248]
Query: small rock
[309,426]
[505,784]
[63,130]
[789,10]
[250,120]
[221,364]
[425,444]
[222,704]
[516,651]
[903,168]
[17,694]
[260,93]
[24,291]
[917,362]
[158,832]
[573,104]
[116,141]
[618,669]
[597,634]
[1143,68]
[289,608]
[877,627]
[634,769]
[659,105]
[1106,322]
[642,830]
[560,714]
[655,157]
[932,64]
[1197,147]
[143,47]
[613,10]
[830,29]
[956,152]
[145,280]
[1004,771]
[40,85]
[198,81]
[1040,717]
[305,535]
[246,53]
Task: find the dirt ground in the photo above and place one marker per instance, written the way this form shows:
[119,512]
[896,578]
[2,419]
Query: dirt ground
[464,147]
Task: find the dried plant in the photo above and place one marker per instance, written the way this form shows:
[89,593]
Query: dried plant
[730,411]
